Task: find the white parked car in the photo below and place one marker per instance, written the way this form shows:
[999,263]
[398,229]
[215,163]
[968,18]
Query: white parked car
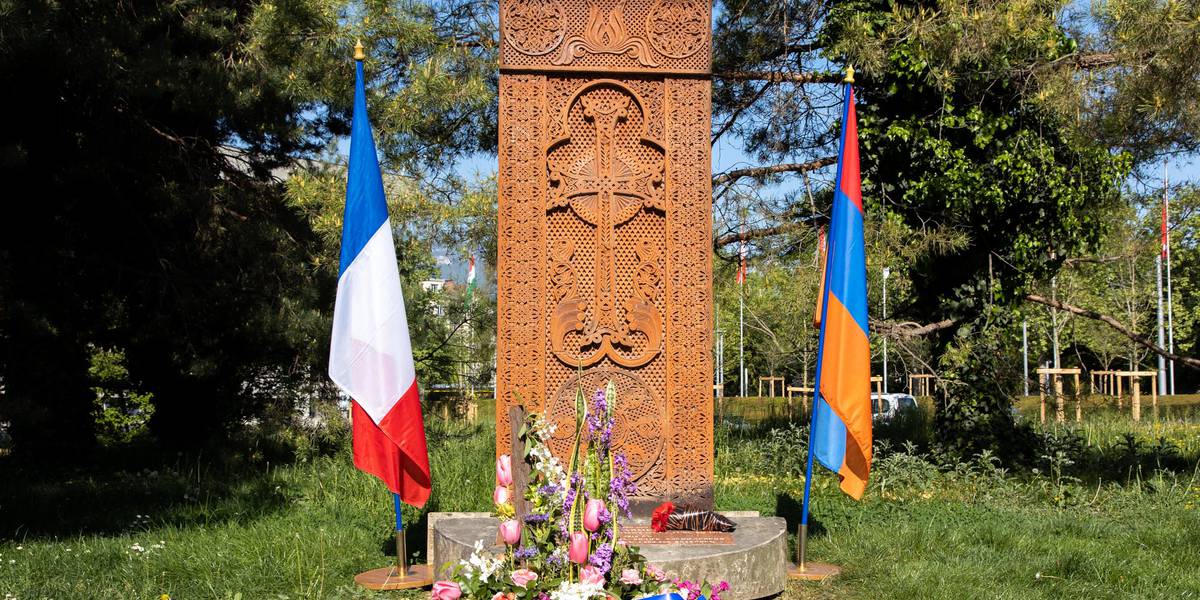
[885,407]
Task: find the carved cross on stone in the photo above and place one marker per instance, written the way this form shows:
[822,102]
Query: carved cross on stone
[604,251]
[607,186]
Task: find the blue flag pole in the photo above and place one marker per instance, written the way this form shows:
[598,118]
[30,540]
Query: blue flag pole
[802,529]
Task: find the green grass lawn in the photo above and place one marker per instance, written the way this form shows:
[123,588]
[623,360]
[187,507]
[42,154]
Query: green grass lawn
[257,528]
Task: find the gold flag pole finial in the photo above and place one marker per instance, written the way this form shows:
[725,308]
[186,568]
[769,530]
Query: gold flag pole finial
[849,74]
[359,54]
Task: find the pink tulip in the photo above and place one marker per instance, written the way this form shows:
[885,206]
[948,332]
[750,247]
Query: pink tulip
[591,575]
[591,514]
[504,470]
[500,496]
[577,550]
[522,577]
[631,577]
[446,590]
[510,531]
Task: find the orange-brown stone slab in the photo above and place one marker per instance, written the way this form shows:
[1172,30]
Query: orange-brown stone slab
[813,571]
[386,578]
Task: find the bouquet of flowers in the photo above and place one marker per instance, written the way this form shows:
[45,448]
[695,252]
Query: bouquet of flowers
[567,547]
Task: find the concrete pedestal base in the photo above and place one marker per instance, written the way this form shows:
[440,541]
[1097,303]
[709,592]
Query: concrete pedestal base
[755,565]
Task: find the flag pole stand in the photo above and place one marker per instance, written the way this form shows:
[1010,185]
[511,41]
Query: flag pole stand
[400,576]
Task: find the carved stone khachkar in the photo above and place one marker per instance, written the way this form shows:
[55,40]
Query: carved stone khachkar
[605,266]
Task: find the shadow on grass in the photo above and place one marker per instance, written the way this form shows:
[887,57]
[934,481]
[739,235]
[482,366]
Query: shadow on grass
[114,492]
[791,510]
[414,541]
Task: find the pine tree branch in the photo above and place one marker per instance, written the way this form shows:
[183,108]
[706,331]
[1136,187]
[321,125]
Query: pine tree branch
[736,174]
[910,329]
[1092,260]
[781,76]
[759,233]
[1117,325]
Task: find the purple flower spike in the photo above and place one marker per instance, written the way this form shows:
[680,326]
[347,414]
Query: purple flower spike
[621,486]
[602,557]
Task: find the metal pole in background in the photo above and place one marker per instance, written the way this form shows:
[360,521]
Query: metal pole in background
[720,375]
[1054,319]
[1162,362]
[1025,351]
[741,314]
[741,342]
[886,272]
[1166,242]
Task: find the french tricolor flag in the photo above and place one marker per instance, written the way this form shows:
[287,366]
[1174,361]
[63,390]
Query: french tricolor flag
[370,357]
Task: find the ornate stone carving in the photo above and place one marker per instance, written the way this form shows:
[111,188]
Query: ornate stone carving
[639,418]
[677,28]
[605,234]
[606,34]
[520,345]
[689,289]
[605,171]
[534,27]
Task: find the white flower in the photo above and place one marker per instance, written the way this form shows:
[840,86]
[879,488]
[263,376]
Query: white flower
[20,547]
[577,591]
[137,548]
[481,564]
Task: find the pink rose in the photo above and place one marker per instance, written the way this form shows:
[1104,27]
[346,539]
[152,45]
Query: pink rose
[631,577]
[510,531]
[577,550]
[523,576]
[498,596]
[504,470]
[446,590]
[591,575]
[500,496]
[591,514]
[656,573]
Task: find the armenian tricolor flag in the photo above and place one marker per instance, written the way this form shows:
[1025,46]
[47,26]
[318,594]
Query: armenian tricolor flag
[841,424]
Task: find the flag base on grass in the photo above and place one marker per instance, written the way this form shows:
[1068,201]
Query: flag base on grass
[813,571]
[386,578]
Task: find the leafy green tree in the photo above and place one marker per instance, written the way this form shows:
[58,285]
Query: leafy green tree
[144,212]
[122,413]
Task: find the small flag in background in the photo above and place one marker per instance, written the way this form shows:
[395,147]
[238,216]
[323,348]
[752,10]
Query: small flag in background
[370,355]
[741,272]
[471,278]
[841,429]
